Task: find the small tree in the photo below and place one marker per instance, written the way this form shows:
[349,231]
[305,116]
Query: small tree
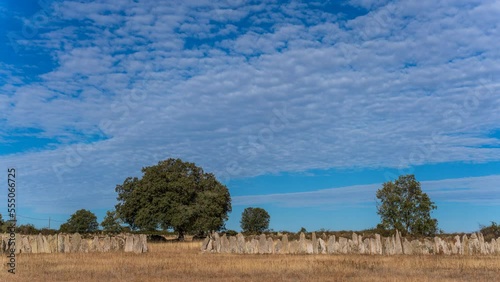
[403,206]
[254,220]
[111,222]
[82,221]
[490,232]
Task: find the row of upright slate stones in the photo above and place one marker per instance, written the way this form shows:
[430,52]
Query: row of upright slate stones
[73,243]
[377,245]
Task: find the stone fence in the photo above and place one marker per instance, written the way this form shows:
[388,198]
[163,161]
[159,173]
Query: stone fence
[74,243]
[394,245]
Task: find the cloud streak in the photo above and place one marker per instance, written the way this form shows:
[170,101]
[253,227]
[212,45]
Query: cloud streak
[475,190]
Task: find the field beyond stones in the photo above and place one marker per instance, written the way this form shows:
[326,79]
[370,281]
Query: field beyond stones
[184,262]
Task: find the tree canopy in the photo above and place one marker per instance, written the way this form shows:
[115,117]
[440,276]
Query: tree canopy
[403,206]
[254,220]
[111,222]
[174,194]
[82,221]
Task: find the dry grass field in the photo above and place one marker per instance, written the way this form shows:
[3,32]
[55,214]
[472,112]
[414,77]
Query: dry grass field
[184,262]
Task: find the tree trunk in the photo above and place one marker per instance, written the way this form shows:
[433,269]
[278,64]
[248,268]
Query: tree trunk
[181,235]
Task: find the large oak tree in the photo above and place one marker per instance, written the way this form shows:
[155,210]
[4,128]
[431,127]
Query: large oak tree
[174,194]
[403,206]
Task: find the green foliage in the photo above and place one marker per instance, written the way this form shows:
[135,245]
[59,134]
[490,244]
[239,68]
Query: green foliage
[111,222]
[254,220]
[27,229]
[82,221]
[174,194]
[490,232]
[231,233]
[3,224]
[403,206]
[302,230]
[46,231]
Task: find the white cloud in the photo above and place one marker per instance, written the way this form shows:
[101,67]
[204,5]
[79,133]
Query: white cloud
[476,190]
[397,87]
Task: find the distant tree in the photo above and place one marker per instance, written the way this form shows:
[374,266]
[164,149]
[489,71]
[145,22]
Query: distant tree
[3,224]
[403,206]
[490,232]
[111,222]
[174,194]
[303,230]
[231,232]
[254,220]
[82,221]
[27,229]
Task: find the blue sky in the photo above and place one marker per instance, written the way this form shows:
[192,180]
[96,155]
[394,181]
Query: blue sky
[303,108]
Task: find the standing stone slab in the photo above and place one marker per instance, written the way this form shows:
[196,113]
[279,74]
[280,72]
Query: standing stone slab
[33,244]
[106,244]
[343,245]
[248,247]
[224,244]
[113,244]
[309,247]
[217,242]
[378,244]
[407,248]
[137,246]
[302,243]
[60,243]
[41,242]
[366,246]
[76,241]
[255,246]
[474,246]
[233,245]
[241,243]
[353,244]
[67,243]
[330,245]
[286,244]
[458,246]
[361,245]
[465,245]
[482,248]
[429,247]
[294,247]
[94,246]
[204,244]
[388,246]
[270,245]
[398,248]
[278,246]
[129,243]
[52,239]
[373,246]
[85,245]
[437,246]
[315,246]
[144,242]
[321,246]
[262,244]
[24,245]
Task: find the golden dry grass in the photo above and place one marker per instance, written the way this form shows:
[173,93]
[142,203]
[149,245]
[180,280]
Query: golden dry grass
[184,262]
